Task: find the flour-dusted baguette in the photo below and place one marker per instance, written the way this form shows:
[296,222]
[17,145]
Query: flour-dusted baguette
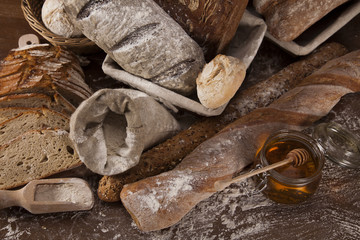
[211,23]
[142,39]
[161,201]
[35,155]
[167,155]
[32,120]
[286,20]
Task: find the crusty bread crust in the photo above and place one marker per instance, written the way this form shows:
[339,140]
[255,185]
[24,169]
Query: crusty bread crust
[35,100]
[43,69]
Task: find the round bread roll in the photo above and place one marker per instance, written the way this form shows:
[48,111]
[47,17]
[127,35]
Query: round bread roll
[55,19]
[219,80]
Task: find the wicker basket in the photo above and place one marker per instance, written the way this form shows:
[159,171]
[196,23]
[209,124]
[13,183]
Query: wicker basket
[32,13]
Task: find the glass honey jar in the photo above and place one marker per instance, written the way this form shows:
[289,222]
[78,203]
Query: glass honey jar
[289,184]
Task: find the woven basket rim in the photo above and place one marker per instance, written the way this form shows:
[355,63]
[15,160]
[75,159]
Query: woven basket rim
[39,27]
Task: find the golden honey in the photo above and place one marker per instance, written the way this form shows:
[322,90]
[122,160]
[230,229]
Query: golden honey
[289,184]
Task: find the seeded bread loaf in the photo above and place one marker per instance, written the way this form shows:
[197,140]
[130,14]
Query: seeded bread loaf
[211,23]
[32,120]
[168,154]
[142,38]
[37,100]
[35,155]
[43,69]
[287,19]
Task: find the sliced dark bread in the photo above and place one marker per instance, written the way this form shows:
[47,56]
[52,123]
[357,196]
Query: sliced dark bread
[38,100]
[32,120]
[36,155]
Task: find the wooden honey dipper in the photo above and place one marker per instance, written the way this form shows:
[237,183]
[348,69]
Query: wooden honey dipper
[297,157]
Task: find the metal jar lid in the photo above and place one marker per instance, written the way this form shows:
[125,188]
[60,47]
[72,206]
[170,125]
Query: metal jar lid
[338,144]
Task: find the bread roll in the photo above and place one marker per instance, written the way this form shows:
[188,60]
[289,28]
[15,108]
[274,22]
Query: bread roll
[219,80]
[142,39]
[161,201]
[211,23]
[55,19]
[168,154]
[286,20]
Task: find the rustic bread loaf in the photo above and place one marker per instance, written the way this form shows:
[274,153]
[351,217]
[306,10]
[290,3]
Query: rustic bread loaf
[167,155]
[55,19]
[142,39]
[44,69]
[287,19]
[32,120]
[35,155]
[211,23]
[37,100]
[161,201]
[219,80]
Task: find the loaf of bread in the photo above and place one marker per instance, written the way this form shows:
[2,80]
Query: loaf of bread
[37,100]
[43,69]
[219,80]
[55,19]
[167,155]
[142,39]
[211,23]
[161,201]
[34,155]
[286,20]
[32,120]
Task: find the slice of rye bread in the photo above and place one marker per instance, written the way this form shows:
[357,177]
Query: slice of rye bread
[32,120]
[37,100]
[11,112]
[35,155]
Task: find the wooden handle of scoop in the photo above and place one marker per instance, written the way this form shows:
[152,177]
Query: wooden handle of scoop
[9,198]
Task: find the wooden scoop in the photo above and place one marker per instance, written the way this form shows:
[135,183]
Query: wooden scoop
[296,156]
[50,195]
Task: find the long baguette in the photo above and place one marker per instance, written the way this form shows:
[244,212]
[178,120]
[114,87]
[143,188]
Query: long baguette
[161,201]
[168,154]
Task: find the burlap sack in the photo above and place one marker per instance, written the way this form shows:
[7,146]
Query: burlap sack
[111,129]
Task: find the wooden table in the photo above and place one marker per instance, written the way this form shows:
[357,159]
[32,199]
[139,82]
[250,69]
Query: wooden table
[235,213]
